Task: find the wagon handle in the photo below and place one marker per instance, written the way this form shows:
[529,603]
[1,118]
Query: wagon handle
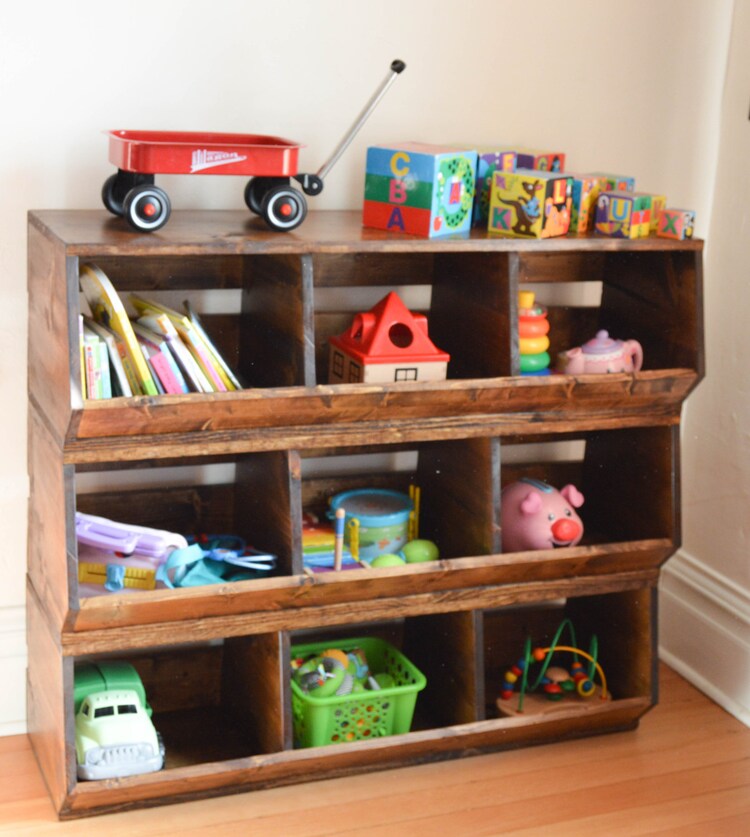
[395,68]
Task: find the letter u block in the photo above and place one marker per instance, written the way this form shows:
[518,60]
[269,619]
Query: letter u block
[616,215]
[422,189]
[623,214]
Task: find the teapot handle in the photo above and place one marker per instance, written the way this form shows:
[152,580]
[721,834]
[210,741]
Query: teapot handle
[635,349]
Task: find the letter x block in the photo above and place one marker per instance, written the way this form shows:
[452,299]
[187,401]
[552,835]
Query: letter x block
[676,223]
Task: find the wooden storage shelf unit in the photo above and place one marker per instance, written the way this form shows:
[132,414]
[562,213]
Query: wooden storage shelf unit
[216,659]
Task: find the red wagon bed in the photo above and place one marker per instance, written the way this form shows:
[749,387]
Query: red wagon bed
[193,152]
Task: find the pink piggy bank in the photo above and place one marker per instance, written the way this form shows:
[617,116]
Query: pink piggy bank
[534,515]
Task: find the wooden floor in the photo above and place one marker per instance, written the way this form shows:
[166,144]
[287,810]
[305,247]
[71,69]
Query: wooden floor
[685,771]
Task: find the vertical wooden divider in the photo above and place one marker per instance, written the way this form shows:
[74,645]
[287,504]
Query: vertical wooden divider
[267,497]
[514,278]
[460,495]
[294,461]
[447,649]
[472,312]
[277,322]
[255,684]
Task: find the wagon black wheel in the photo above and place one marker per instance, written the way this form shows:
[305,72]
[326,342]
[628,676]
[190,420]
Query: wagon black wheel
[117,186]
[284,208]
[109,196]
[147,208]
[256,190]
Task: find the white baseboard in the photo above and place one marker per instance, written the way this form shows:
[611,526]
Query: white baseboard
[12,671]
[704,628]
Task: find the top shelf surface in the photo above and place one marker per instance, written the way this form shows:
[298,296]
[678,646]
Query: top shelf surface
[88,233]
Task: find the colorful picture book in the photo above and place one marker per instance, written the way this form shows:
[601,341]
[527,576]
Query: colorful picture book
[108,310]
[157,351]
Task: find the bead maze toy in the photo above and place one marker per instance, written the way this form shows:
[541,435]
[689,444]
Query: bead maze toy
[553,683]
[270,161]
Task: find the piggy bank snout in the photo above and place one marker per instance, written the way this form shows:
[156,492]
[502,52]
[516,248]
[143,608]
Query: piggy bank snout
[566,529]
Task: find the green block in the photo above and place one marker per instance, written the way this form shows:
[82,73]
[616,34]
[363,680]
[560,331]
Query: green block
[399,192]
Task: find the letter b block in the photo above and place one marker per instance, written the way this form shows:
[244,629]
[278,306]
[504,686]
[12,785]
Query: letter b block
[421,189]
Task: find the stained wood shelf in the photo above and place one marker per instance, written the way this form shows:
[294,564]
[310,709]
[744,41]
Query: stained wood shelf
[220,655]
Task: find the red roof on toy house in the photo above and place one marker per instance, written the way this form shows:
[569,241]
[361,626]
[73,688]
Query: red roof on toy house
[389,333]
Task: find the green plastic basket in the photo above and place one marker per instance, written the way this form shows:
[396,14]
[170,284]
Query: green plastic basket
[362,715]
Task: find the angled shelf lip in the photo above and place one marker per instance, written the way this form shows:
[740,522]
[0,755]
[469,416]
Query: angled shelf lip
[213,778]
[458,583]
[333,409]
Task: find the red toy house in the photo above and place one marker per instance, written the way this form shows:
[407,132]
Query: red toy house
[385,344]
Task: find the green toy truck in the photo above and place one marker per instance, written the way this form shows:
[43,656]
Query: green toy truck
[114,733]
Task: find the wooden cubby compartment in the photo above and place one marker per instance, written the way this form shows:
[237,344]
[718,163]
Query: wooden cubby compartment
[647,296]
[216,659]
[622,624]
[254,496]
[627,478]
[460,522]
[213,701]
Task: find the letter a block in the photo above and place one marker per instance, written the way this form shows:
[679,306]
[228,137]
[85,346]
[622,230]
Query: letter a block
[421,189]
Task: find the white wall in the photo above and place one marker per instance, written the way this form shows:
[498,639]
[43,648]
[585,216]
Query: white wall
[632,87]
[706,587]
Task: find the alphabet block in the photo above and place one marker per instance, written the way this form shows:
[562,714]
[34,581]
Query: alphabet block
[586,190]
[615,182]
[488,163]
[623,214]
[553,161]
[530,204]
[676,223]
[658,203]
[425,190]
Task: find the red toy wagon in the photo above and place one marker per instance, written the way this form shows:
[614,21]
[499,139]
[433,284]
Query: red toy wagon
[271,162]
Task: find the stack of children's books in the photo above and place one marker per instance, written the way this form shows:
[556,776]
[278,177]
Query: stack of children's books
[157,350]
